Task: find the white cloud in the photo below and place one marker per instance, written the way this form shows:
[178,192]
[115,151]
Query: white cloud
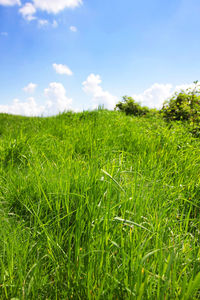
[184,87]
[52,6]
[73,28]
[154,96]
[43,23]
[99,96]
[57,101]
[28,11]
[30,88]
[26,108]
[10,2]
[62,69]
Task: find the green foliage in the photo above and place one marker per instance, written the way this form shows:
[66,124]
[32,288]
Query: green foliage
[184,106]
[130,107]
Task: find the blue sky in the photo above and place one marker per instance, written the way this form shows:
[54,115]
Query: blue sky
[77,54]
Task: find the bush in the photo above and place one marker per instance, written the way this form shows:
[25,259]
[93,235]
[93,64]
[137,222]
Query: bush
[130,107]
[184,106]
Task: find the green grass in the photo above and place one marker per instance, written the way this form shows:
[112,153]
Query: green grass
[98,205]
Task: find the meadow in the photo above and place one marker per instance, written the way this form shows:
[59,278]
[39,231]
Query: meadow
[98,205]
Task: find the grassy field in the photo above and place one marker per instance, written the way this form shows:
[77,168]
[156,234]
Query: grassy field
[98,205]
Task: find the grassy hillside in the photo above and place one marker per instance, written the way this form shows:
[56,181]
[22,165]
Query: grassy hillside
[98,205]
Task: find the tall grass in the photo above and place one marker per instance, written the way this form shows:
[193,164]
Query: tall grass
[97,205]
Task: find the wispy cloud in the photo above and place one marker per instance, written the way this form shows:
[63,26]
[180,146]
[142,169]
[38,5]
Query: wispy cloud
[43,23]
[54,24]
[73,28]
[62,69]
[4,33]
[10,2]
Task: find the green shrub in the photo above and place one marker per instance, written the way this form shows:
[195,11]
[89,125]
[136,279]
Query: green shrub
[184,106]
[131,107]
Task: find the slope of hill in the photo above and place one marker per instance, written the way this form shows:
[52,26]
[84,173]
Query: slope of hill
[98,205]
